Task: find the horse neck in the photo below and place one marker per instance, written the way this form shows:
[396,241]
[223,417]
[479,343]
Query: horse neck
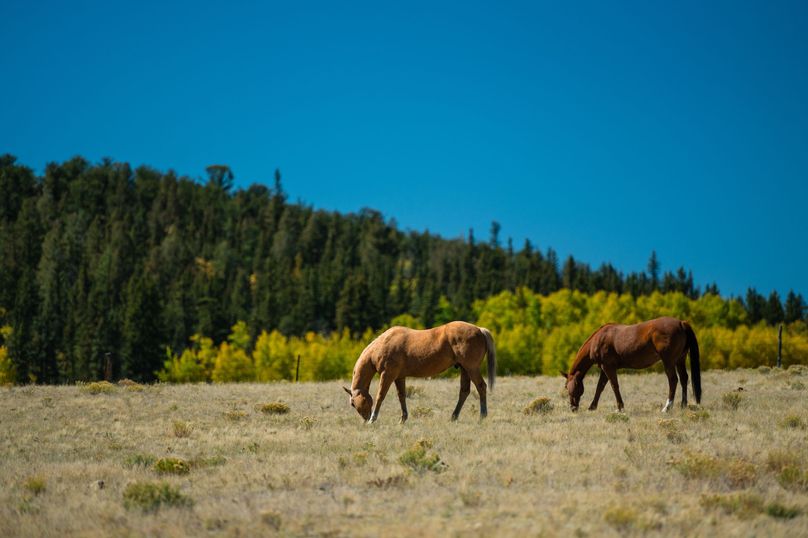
[362,375]
[582,362]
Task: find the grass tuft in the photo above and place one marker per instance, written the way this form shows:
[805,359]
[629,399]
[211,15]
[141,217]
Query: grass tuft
[35,485]
[419,460]
[394,481]
[171,466]
[539,406]
[414,391]
[615,417]
[140,460]
[781,511]
[236,414]
[150,497]
[731,472]
[732,400]
[98,387]
[274,408]
[792,421]
[182,429]
[422,412]
[622,518]
[742,505]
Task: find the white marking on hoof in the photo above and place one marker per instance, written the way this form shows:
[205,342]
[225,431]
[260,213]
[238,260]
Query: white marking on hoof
[667,406]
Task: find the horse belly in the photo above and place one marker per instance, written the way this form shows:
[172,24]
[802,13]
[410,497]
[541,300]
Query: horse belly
[429,367]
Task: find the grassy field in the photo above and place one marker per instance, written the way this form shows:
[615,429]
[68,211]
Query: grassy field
[182,460]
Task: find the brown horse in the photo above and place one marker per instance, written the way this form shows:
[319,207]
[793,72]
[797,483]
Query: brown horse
[400,352]
[637,346]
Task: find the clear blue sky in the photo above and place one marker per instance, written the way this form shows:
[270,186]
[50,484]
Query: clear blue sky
[602,129]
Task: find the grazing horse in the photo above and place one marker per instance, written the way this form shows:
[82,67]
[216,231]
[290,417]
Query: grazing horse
[636,346]
[400,352]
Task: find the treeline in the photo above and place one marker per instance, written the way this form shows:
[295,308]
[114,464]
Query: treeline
[102,260]
[534,334]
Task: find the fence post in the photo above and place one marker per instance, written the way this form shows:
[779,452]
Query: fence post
[108,366]
[780,347]
[297,371]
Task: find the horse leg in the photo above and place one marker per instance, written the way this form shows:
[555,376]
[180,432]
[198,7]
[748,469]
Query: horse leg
[402,398]
[670,371]
[479,382]
[681,368]
[465,389]
[601,385]
[611,373]
[385,380]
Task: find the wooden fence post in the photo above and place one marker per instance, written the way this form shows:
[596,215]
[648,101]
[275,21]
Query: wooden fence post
[108,366]
[297,371]
[780,347]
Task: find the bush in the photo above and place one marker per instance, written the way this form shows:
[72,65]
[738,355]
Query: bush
[172,466]
[539,406]
[733,473]
[150,497]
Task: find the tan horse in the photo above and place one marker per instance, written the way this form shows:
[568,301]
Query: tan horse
[636,346]
[400,352]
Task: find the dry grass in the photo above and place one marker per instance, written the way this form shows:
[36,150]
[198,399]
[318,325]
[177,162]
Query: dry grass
[205,460]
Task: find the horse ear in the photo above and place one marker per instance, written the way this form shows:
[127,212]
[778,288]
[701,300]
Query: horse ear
[346,389]
[564,375]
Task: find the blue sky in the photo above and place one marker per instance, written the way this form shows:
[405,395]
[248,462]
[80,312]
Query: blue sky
[602,129]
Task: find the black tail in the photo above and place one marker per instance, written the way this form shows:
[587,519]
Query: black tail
[695,367]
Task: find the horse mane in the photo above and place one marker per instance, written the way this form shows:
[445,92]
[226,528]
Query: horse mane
[578,357]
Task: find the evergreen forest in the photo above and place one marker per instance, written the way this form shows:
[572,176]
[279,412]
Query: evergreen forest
[183,279]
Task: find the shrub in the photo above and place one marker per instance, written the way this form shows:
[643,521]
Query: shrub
[150,497]
[539,406]
[419,460]
[274,408]
[732,400]
[734,473]
[98,387]
[171,466]
[764,369]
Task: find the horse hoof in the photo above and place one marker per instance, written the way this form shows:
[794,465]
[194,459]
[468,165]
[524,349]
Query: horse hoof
[591,408]
[454,418]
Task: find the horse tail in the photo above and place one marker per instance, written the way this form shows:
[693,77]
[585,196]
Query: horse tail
[492,357]
[695,367]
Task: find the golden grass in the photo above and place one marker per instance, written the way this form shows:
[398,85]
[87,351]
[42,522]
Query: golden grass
[193,460]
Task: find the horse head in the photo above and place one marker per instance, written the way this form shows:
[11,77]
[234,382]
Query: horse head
[361,401]
[574,387]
